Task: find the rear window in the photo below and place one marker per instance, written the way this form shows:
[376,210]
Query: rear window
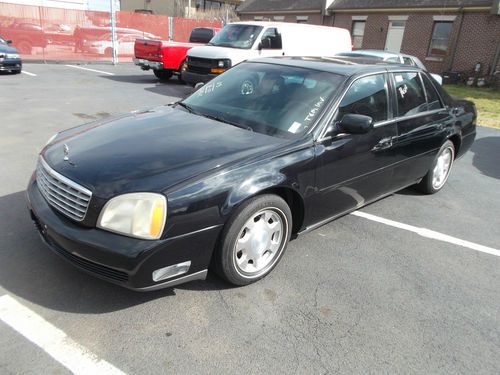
[201,35]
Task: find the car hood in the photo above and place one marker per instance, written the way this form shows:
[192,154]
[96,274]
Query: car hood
[150,150]
[7,49]
[236,55]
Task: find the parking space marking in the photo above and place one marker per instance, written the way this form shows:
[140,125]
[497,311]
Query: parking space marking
[424,232]
[52,340]
[28,73]
[90,70]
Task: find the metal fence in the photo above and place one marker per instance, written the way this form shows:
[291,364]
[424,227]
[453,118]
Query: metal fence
[55,34]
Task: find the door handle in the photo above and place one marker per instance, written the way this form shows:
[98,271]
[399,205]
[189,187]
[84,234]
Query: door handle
[384,144]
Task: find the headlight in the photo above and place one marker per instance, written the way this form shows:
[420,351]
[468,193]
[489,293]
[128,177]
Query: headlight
[140,215]
[51,139]
[221,64]
[12,55]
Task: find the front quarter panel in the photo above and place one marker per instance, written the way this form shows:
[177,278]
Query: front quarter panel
[212,200]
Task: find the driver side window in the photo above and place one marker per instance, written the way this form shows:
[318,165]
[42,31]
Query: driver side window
[274,39]
[366,96]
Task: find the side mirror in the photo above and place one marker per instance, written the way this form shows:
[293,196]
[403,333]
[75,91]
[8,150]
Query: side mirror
[198,86]
[356,124]
[265,43]
[8,41]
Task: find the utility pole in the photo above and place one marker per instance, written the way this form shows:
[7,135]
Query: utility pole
[114,55]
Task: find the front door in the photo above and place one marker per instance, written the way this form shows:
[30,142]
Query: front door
[395,35]
[353,169]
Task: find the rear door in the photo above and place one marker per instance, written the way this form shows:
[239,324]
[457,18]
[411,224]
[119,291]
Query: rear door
[354,169]
[422,120]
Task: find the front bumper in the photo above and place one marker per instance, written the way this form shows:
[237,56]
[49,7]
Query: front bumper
[194,78]
[121,260]
[10,65]
[147,64]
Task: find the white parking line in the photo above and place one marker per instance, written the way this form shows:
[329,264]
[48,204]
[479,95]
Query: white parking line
[90,70]
[429,233]
[28,73]
[52,340]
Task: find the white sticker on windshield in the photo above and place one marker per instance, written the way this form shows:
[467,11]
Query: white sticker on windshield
[295,127]
[314,110]
[399,78]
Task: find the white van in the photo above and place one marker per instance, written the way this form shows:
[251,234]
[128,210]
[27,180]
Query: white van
[241,41]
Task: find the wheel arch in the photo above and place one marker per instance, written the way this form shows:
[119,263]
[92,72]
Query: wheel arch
[457,142]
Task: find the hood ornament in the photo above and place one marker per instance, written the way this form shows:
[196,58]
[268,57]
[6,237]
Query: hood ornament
[66,152]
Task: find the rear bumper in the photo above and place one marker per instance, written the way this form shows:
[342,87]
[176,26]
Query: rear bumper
[147,64]
[194,78]
[121,260]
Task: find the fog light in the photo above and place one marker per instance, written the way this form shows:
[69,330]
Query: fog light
[171,271]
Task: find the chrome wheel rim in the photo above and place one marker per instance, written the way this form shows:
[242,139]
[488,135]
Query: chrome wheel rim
[259,242]
[442,168]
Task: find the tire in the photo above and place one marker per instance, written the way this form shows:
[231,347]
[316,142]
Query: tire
[253,240]
[16,72]
[24,47]
[438,174]
[108,52]
[163,75]
[179,75]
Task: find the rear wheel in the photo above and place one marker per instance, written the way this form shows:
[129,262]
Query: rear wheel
[163,74]
[254,240]
[437,176]
[24,47]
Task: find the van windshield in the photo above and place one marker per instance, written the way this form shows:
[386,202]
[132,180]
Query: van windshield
[276,100]
[236,36]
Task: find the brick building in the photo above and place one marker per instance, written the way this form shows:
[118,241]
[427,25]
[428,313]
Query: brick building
[445,35]
[451,35]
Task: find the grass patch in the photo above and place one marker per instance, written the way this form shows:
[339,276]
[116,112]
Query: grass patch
[487,103]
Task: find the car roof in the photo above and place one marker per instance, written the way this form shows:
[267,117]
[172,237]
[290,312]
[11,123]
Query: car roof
[377,53]
[347,66]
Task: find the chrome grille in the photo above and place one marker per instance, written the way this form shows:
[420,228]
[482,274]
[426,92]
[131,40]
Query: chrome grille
[63,194]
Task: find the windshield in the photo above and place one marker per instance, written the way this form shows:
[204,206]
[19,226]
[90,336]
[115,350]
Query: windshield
[276,100]
[236,36]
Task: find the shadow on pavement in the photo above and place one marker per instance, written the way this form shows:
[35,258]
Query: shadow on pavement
[486,156]
[172,87]
[30,270]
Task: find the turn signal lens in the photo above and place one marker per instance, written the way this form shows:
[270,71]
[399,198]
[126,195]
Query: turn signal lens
[217,70]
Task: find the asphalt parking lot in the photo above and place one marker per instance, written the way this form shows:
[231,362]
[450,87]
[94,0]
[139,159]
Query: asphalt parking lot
[358,295]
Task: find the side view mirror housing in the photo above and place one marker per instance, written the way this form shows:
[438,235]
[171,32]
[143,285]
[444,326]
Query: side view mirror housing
[8,41]
[265,43]
[356,124]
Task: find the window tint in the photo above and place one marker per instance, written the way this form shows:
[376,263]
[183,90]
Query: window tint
[367,96]
[408,61]
[433,101]
[274,38]
[410,94]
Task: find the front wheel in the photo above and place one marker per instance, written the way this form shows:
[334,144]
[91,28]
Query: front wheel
[254,240]
[163,74]
[437,176]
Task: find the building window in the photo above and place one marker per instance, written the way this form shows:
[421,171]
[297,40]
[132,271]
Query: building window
[358,31]
[440,38]
[258,18]
[279,18]
[302,19]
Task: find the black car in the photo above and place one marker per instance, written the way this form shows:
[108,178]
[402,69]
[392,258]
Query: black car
[10,61]
[268,150]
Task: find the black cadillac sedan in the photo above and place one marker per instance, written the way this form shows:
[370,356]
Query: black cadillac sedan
[268,150]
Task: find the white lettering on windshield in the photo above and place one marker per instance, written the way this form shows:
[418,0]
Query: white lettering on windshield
[209,88]
[314,111]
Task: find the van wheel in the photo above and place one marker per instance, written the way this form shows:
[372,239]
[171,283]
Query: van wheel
[254,240]
[438,174]
[163,74]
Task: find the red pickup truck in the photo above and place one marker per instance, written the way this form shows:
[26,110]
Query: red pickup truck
[167,58]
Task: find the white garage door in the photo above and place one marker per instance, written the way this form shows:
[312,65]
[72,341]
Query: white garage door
[395,36]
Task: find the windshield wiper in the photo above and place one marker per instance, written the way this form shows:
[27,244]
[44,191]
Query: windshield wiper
[220,119]
[186,107]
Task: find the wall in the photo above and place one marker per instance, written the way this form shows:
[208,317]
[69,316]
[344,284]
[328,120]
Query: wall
[477,41]
[314,18]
